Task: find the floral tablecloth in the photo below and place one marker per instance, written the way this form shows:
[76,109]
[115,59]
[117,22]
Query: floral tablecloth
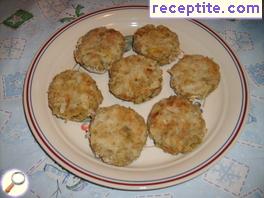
[26,24]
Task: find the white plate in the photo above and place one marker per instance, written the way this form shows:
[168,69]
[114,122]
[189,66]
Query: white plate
[225,109]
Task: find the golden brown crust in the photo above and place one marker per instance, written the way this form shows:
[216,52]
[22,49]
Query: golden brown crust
[99,48]
[73,95]
[195,76]
[135,78]
[117,135]
[176,125]
[158,43]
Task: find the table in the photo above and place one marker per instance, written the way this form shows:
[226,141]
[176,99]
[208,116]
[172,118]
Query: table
[240,173]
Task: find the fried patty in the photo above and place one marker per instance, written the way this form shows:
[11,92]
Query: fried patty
[99,48]
[195,76]
[158,43]
[73,95]
[117,135]
[135,78]
[176,125]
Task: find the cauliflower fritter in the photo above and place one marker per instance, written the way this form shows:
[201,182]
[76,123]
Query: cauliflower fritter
[117,135]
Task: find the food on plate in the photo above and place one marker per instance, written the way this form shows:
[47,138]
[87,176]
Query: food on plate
[117,135]
[135,78]
[176,125]
[99,48]
[73,95]
[195,76]
[158,43]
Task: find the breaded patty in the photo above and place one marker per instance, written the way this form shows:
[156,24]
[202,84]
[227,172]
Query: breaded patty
[99,48]
[73,95]
[117,135]
[195,76]
[135,78]
[158,43]
[176,125]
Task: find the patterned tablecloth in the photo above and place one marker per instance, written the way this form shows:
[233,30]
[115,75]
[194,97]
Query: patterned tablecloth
[26,24]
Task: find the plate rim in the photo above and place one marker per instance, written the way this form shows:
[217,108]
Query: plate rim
[199,169]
